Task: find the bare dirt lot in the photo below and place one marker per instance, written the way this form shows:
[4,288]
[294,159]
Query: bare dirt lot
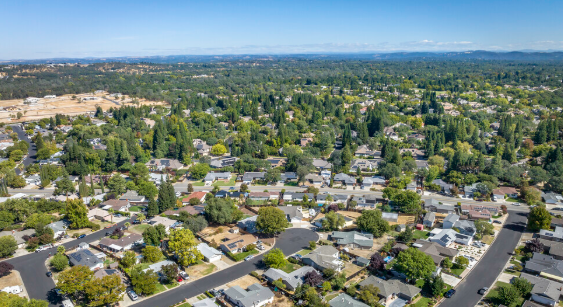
[61,105]
[243,282]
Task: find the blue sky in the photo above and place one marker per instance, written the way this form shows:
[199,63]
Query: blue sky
[47,29]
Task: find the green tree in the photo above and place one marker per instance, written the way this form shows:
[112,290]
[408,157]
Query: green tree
[368,294]
[129,259]
[59,262]
[218,150]
[437,286]
[199,171]
[183,243]
[333,221]
[153,235]
[372,222]
[105,291]
[6,219]
[447,263]
[14,300]
[143,282]
[152,208]
[271,220]
[64,187]
[275,259]
[523,286]
[166,196]
[77,214]
[484,228]
[507,295]
[8,246]
[152,254]
[414,264]
[221,211]
[139,173]
[75,280]
[539,218]
[408,202]
[116,184]
[461,262]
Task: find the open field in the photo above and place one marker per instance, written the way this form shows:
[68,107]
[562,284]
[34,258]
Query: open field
[61,105]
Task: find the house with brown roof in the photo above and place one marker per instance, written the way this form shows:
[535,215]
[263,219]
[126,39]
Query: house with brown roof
[98,214]
[123,244]
[502,191]
[200,195]
[191,210]
[305,141]
[435,250]
[116,205]
[238,244]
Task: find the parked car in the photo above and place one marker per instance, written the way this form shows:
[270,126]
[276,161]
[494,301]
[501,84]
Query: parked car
[497,222]
[184,275]
[179,279]
[449,293]
[108,233]
[248,257]
[516,204]
[132,295]
[136,222]
[49,274]
[81,236]
[483,290]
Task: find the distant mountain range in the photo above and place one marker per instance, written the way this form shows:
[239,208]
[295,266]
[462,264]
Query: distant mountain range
[526,56]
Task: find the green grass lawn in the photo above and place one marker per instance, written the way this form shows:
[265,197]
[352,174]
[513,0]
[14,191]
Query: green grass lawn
[457,271]
[492,295]
[511,272]
[420,283]
[208,270]
[139,228]
[136,208]
[290,267]
[304,252]
[159,288]
[290,184]
[185,305]
[331,296]
[229,183]
[422,302]
[241,256]
[198,184]
[421,234]
[512,200]
[487,239]
[172,285]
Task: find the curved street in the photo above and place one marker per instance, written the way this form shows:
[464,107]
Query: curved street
[32,151]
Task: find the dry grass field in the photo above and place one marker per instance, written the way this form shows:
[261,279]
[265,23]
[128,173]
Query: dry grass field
[61,105]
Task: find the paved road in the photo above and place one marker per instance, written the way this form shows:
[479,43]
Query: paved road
[290,241]
[117,103]
[33,271]
[31,154]
[487,270]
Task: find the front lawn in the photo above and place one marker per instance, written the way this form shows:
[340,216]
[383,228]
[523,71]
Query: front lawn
[304,252]
[290,267]
[159,288]
[139,228]
[422,302]
[229,183]
[241,256]
[457,271]
[512,200]
[421,234]
[136,208]
[487,239]
[290,184]
[492,296]
[198,184]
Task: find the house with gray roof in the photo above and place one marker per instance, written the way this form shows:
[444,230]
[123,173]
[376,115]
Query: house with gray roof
[291,280]
[162,164]
[553,248]
[207,302]
[466,227]
[157,267]
[133,197]
[438,207]
[248,224]
[223,162]
[336,198]
[364,165]
[352,239]
[287,176]
[450,220]
[345,300]
[212,176]
[249,177]
[429,219]
[444,186]
[292,196]
[209,253]
[556,235]
[545,265]
[321,164]
[435,250]
[255,296]
[18,235]
[447,236]
[344,179]
[552,198]
[544,291]
[369,182]
[324,257]
[392,289]
[59,228]
[294,214]
[87,258]
[364,151]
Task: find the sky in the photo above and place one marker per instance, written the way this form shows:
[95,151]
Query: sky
[36,29]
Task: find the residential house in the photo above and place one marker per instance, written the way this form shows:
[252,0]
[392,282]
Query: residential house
[348,222]
[305,141]
[450,220]
[291,196]
[98,214]
[123,244]
[162,164]
[209,253]
[345,300]
[261,196]
[231,194]
[369,182]
[417,154]
[444,186]
[466,227]
[287,177]
[133,197]
[352,239]
[212,176]
[433,205]
[344,179]
[314,179]
[160,220]
[556,235]
[248,224]
[87,258]
[191,210]
[223,162]
[255,296]
[392,290]
[59,228]
[157,268]
[390,217]
[364,151]
[116,205]
[202,147]
[33,179]
[470,189]
[545,266]
[321,164]
[552,198]
[249,177]
[200,195]
[448,236]
[499,193]
[553,248]
[363,165]
[238,244]
[544,291]
[335,198]
[429,219]
[324,257]
[294,214]
[207,302]
[277,162]
[18,236]
[291,280]
[436,251]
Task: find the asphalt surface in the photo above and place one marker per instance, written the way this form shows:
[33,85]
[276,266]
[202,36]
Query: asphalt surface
[490,266]
[33,271]
[32,151]
[290,241]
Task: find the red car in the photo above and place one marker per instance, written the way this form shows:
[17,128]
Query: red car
[180,279]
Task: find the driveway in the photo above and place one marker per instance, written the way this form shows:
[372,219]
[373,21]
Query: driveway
[33,271]
[491,265]
[290,241]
